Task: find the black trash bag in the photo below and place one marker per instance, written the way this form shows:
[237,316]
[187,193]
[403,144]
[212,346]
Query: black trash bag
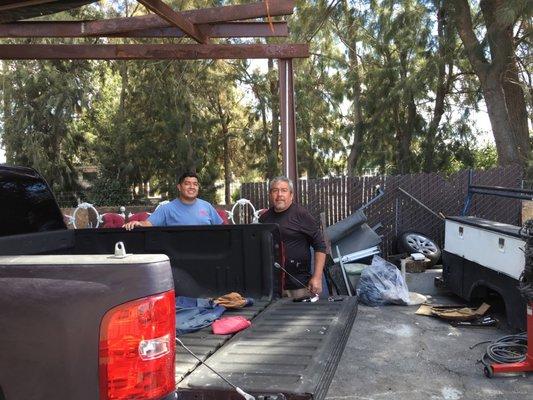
[382,283]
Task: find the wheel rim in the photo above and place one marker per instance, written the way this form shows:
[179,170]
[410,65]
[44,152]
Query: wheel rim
[422,244]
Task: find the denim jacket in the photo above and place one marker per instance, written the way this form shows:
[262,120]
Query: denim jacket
[193,314]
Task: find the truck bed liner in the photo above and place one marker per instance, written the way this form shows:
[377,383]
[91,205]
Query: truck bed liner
[291,348]
[204,343]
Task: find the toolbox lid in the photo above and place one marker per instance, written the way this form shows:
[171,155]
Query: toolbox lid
[500,227]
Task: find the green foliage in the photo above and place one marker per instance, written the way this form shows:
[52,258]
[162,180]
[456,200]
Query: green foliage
[107,191]
[366,95]
[485,157]
[45,102]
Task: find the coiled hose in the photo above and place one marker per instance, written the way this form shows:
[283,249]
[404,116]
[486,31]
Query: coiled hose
[506,350]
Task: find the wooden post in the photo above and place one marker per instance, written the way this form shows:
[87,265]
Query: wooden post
[288,120]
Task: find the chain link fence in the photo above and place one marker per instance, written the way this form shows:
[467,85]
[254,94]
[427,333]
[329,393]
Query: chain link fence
[410,203]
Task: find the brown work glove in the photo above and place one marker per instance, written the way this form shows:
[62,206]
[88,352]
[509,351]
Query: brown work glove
[231,300]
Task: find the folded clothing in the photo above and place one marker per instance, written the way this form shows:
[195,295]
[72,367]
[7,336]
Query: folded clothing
[234,300]
[193,314]
[227,325]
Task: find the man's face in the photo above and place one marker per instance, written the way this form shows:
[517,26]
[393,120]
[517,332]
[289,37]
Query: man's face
[280,196]
[188,188]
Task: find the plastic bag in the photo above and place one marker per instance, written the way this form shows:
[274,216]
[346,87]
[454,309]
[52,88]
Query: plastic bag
[382,283]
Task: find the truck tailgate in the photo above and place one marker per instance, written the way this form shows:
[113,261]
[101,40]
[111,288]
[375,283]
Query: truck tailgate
[291,349]
[204,343]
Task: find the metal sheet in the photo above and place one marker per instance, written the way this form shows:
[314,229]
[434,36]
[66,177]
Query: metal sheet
[17,10]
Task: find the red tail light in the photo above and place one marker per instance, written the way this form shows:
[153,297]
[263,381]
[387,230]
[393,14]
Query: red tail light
[137,349]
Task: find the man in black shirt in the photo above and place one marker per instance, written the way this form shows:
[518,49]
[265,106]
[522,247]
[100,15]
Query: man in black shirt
[299,232]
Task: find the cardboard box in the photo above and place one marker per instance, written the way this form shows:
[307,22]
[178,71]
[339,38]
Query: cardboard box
[527,210]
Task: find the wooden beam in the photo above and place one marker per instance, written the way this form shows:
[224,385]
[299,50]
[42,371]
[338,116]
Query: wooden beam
[59,29]
[219,30]
[151,51]
[203,16]
[168,14]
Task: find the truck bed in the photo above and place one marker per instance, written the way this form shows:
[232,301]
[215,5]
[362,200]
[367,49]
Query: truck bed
[291,348]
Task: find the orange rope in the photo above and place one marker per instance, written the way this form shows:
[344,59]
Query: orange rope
[269,17]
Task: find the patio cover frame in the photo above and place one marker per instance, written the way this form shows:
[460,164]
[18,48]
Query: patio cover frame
[200,25]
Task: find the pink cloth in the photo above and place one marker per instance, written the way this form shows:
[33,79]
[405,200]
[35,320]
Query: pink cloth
[227,325]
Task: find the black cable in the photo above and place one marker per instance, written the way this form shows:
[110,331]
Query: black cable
[314,295]
[505,350]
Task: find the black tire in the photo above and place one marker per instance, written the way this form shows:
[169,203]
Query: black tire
[415,242]
[488,371]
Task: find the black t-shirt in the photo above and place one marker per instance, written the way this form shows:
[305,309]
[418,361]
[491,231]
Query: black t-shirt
[299,231]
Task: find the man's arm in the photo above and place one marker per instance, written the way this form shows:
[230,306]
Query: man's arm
[315,283]
[132,224]
[311,229]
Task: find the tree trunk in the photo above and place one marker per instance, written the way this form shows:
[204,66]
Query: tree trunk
[405,123]
[187,125]
[356,110]
[309,163]
[505,104]
[499,119]
[227,163]
[124,82]
[226,151]
[442,88]
[502,46]
[516,104]
[266,132]
[357,114]
[404,134]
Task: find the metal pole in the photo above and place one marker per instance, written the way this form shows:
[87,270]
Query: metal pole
[341,264]
[288,120]
[421,204]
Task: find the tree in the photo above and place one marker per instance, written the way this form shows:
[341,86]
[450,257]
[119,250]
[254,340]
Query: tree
[319,88]
[497,69]
[444,65]
[262,134]
[42,105]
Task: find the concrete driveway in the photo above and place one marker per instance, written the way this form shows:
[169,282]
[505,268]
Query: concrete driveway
[394,354]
